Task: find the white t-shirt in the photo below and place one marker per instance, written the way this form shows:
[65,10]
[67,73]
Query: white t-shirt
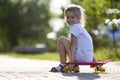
[84,46]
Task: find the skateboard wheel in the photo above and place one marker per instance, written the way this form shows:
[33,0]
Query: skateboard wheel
[67,69]
[103,70]
[99,70]
[95,69]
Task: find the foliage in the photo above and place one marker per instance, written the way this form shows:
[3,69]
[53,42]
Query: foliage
[52,45]
[63,31]
[23,22]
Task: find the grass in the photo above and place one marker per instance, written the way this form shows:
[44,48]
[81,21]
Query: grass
[107,54]
[41,56]
[100,54]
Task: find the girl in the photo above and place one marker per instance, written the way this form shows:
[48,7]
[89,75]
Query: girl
[79,46]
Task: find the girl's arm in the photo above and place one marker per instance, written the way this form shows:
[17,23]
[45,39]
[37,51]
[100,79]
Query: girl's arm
[72,47]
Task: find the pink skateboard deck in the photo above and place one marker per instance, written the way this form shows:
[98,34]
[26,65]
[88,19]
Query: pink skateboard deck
[96,65]
[89,63]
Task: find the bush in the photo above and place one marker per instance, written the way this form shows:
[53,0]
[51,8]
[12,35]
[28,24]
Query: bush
[52,45]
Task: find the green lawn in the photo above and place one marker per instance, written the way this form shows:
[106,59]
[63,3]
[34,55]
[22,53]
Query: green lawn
[100,54]
[41,56]
[107,54]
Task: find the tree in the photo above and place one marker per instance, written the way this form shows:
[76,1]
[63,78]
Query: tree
[23,22]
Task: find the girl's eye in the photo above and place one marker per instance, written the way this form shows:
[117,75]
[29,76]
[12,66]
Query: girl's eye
[68,17]
[72,17]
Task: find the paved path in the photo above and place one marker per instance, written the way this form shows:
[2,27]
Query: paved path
[26,69]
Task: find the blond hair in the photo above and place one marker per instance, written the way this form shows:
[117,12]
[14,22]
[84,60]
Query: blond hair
[79,12]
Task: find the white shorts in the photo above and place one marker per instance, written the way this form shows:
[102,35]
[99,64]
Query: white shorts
[84,56]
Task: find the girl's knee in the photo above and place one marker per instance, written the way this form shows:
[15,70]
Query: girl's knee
[61,38]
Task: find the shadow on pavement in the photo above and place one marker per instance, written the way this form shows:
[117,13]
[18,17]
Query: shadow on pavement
[83,76]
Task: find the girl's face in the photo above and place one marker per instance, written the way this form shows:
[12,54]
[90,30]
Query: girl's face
[71,18]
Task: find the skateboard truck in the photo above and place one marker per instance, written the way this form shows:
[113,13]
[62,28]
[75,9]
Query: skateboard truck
[99,69]
[69,68]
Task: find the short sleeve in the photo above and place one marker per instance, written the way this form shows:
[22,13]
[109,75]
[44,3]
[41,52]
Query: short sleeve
[75,30]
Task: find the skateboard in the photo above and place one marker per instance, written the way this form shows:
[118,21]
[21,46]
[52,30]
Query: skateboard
[97,66]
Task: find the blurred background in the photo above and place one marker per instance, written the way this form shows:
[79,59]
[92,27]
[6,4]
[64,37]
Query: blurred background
[33,26]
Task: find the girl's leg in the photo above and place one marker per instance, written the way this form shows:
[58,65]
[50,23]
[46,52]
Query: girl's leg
[63,47]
